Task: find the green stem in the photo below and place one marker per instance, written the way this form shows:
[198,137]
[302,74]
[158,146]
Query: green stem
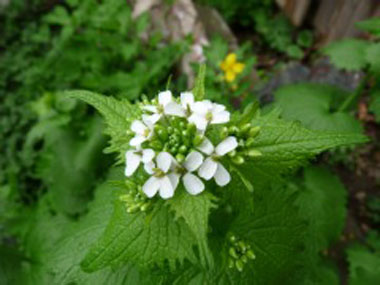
[359,90]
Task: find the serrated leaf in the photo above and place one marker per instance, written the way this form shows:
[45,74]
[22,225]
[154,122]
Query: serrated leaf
[144,240]
[275,233]
[348,54]
[285,146]
[312,104]
[373,57]
[195,211]
[118,115]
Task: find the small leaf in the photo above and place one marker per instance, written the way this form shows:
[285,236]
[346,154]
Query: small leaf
[199,88]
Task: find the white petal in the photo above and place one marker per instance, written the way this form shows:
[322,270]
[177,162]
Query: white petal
[137,140]
[150,108]
[174,109]
[220,118]
[138,127]
[147,155]
[150,120]
[174,179]
[151,186]
[216,108]
[222,177]
[206,146]
[166,188]
[208,169]
[193,184]
[187,99]
[229,144]
[164,97]
[199,121]
[132,162]
[193,160]
[148,167]
[200,108]
[164,160]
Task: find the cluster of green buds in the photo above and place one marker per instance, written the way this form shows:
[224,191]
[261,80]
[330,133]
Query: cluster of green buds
[178,138]
[245,135]
[135,200]
[239,253]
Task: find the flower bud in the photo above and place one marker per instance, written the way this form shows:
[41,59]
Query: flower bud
[244,259]
[239,265]
[197,140]
[182,149]
[254,153]
[250,254]
[180,157]
[233,253]
[238,159]
[245,129]
[253,132]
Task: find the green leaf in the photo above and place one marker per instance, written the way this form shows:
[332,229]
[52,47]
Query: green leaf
[371,25]
[70,164]
[275,233]
[195,211]
[348,54]
[145,240]
[373,57]
[312,104]
[364,266]
[118,115]
[322,201]
[285,146]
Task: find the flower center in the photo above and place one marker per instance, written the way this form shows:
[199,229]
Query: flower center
[160,109]
[209,116]
[146,133]
[158,173]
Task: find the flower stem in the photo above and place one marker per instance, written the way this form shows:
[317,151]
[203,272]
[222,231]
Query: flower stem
[359,90]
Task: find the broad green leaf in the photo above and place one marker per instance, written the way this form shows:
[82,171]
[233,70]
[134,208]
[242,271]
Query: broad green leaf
[348,54]
[364,266]
[195,211]
[275,231]
[285,146]
[312,104]
[322,201]
[118,115]
[371,25]
[141,239]
[70,164]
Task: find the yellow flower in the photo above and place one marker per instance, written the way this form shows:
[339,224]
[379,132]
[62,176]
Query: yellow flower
[231,67]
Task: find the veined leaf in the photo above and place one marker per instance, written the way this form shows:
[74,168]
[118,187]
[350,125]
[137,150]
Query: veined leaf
[118,116]
[141,239]
[195,210]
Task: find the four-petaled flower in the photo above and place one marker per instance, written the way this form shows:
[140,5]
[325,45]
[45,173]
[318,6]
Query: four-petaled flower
[211,167]
[143,131]
[206,112]
[231,67]
[163,179]
[133,159]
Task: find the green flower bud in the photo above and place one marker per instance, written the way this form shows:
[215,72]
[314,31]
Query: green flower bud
[191,128]
[182,149]
[233,130]
[254,153]
[253,132]
[250,142]
[245,129]
[174,150]
[144,207]
[156,145]
[224,132]
[231,263]
[242,246]
[232,153]
[162,134]
[170,130]
[244,259]
[233,253]
[238,159]
[232,238]
[180,158]
[250,254]
[239,265]
[197,140]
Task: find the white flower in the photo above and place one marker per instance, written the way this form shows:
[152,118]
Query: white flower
[143,131]
[211,167]
[163,179]
[133,158]
[205,112]
[192,183]
[166,105]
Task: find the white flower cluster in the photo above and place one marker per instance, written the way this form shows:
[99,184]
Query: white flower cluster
[202,159]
